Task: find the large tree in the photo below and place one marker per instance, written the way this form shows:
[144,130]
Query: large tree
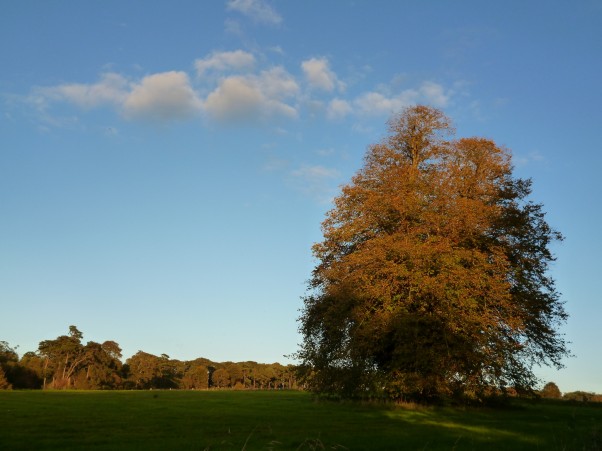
[432,278]
[101,367]
[67,363]
[63,357]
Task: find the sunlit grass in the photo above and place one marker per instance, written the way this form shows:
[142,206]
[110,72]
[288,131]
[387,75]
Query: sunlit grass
[280,420]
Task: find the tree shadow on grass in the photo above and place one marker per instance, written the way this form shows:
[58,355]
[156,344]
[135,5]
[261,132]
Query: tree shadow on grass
[549,426]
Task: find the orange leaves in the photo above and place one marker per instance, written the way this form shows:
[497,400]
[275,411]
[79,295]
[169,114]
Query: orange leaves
[433,261]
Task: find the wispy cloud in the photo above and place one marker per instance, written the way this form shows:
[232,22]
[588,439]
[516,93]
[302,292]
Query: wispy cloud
[233,27]
[223,61]
[258,10]
[338,109]
[274,164]
[111,89]
[316,181]
[325,152]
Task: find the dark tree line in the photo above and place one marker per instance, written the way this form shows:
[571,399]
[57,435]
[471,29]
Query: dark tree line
[67,363]
[551,391]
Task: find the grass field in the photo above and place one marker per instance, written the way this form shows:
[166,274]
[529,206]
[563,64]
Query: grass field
[215,420]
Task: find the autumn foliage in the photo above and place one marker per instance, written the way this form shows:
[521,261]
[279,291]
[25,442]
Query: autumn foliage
[432,278]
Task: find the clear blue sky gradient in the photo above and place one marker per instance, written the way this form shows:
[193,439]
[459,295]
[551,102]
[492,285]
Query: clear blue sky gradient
[165,166]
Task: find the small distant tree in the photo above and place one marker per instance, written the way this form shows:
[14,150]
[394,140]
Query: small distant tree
[236,373]
[4,384]
[291,376]
[196,376]
[579,395]
[551,390]
[249,369]
[221,378]
[32,370]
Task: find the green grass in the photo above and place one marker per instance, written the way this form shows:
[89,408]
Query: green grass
[214,420]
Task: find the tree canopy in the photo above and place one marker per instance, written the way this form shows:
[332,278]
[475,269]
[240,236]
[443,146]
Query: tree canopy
[551,390]
[432,277]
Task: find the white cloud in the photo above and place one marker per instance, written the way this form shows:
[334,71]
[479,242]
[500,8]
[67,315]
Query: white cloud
[377,103]
[434,94]
[241,98]
[227,97]
[164,96]
[111,89]
[257,10]
[277,83]
[222,61]
[319,75]
[234,99]
[338,109]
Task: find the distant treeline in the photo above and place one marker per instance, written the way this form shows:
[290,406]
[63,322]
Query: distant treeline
[67,363]
[551,391]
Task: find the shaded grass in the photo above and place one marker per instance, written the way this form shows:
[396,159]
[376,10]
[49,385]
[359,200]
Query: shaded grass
[214,420]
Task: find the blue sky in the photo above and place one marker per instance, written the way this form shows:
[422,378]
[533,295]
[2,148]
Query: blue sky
[165,166]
